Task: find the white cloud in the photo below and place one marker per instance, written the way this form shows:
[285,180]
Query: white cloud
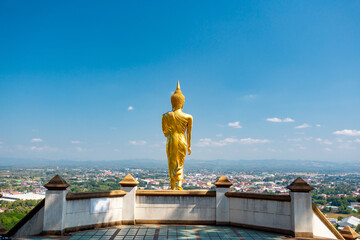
[251,140]
[324,141]
[76,142]
[38,148]
[305,125]
[157,145]
[204,142]
[234,124]
[36,140]
[130,108]
[250,96]
[294,139]
[80,149]
[34,148]
[288,120]
[141,142]
[327,142]
[273,150]
[318,125]
[328,149]
[208,142]
[1,143]
[357,140]
[219,135]
[346,146]
[301,147]
[347,132]
[278,120]
[274,119]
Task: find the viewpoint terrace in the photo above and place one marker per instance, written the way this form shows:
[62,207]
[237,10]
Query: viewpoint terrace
[192,212]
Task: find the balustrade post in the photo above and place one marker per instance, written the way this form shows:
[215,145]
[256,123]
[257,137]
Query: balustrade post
[129,185]
[222,202]
[301,208]
[55,206]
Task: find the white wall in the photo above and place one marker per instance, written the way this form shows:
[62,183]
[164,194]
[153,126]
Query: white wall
[260,213]
[183,208]
[78,212]
[320,229]
[32,227]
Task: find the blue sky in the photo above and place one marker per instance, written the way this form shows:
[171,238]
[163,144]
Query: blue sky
[89,80]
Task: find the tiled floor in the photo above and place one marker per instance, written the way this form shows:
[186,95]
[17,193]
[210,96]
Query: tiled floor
[159,232]
[174,232]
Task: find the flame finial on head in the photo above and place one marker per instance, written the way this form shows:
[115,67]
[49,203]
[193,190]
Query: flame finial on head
[177,99]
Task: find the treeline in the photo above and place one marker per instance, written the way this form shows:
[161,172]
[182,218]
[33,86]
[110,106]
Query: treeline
[15,211]
[341,202]
[94,186]
[338,189]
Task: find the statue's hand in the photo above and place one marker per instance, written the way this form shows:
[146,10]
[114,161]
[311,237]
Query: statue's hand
[189,150]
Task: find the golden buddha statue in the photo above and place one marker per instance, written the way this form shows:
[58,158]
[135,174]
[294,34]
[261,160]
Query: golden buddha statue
[174,124]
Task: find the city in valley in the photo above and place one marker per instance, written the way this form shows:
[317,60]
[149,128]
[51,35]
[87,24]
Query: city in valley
[336,194]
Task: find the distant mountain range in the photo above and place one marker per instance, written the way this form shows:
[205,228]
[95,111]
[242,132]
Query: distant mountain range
[238,165]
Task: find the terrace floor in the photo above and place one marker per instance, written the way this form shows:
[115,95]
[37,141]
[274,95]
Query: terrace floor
[159,232]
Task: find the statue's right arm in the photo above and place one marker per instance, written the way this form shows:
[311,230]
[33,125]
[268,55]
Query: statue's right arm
[188,133]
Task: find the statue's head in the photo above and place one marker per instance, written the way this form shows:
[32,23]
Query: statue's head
[177,99]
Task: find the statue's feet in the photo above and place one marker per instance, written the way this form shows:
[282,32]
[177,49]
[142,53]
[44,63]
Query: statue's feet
[172,185]
[179,188]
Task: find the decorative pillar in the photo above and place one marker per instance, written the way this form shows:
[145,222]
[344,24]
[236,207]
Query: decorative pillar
[349,234]
[301,208]
[55,206]
[129,185]
[222,202]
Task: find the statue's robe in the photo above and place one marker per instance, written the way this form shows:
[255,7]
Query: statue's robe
[174,125]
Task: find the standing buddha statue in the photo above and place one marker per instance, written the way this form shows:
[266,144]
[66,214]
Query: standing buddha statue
[174,125]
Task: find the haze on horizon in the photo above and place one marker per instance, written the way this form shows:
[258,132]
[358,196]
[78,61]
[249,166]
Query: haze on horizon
[263,80]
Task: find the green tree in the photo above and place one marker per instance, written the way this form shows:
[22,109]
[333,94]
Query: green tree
[15,211]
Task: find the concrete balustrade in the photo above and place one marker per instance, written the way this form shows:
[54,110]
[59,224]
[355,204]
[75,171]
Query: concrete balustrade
[62,212]
[92,210]
[260,211]
[172,206]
